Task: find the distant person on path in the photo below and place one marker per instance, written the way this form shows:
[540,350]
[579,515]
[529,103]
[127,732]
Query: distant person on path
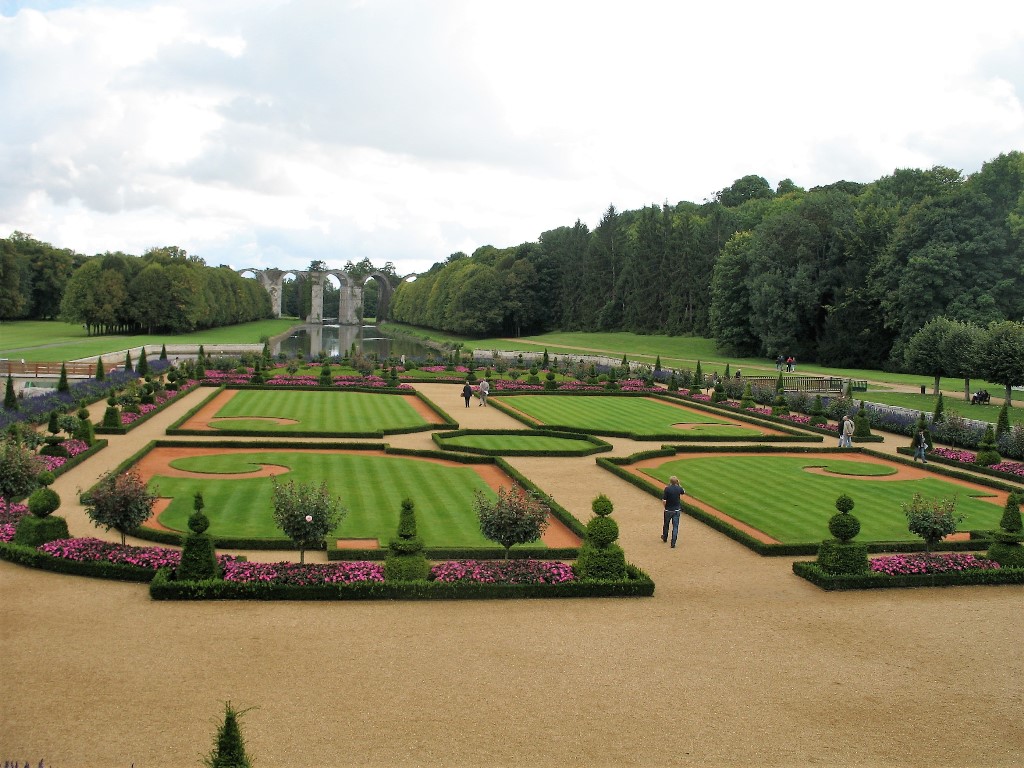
[789,365]
[485,390]
[672,496]
[467,393]
[792,364]
[778,363]
[920,444]
[846,432]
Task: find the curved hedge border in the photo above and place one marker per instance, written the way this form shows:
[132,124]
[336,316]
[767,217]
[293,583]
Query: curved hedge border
[597,445]
[979,539]
[163,587]
[447,422]
[99,429]
[812,573]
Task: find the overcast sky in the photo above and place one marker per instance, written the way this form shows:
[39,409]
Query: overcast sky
[272,133]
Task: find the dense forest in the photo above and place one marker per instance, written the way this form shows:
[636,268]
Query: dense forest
[844,274]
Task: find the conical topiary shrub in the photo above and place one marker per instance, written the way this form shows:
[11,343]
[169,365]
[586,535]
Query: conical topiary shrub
[163,352]
[128,361]
[62,382]
[780,406]
[1006,546]
[10,399]
[861,422]
[988,451]
[718,393]
[100,374]
[325,375]
[405,560]
[698,380]
[841,554]
[143,367]
[198,554]
[600,558]
[748,397]
[1003,420]
[818,412]
[229,746]
[940,410]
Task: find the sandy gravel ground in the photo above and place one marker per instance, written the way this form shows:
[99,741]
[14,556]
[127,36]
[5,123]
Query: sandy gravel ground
[733,662]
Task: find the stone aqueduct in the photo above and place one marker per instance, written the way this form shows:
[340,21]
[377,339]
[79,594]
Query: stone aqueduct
[351,289]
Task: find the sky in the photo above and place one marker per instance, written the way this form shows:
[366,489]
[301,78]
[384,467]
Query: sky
[272,133]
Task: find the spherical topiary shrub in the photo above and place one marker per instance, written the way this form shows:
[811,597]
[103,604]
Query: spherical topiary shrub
[198,522]
[43,502]
[45,478]
[844,526]
[602,531]
[602,506]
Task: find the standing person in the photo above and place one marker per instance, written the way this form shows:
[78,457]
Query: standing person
[672,496]
[467,393]
[793,367]
[485,390]
[778,363]
[789,364]
[920,444]
[846,441]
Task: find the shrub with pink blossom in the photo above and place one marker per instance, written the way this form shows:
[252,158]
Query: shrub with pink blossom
[903,565]
[955,454]
[502,572]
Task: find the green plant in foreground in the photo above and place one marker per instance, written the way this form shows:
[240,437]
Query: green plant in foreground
[122,502]
[516,517]
[10,399]
[306,513]
[405,560]
[842,554]
[1006,546]
[931,519]
[600,558]
[198,553]
[229,746]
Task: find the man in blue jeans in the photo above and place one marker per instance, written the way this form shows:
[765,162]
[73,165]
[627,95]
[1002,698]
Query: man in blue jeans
[672,496]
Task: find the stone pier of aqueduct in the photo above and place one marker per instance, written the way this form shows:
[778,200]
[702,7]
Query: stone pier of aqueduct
[351,298]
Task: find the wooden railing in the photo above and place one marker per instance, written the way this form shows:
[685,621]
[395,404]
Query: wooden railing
[805,383]
[45,370]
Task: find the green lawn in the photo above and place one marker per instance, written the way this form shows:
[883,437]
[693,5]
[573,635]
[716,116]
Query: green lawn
[50,341]
[606,415]
[504,444]
[371,488]
[777,496]
[926,403]
[327,411]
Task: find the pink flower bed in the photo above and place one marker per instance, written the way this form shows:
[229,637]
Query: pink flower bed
[701,397]
[1009,467]
[955,454]
[502,572]
[501,385]
[579,386]
[903,565]
[7,532]
[50,463]
[442,369]
[303,575]
[636,385]
[90,549]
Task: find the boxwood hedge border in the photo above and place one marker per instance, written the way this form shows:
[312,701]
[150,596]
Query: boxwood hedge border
[99,569]
[979,540]
[597,445]
[810,571]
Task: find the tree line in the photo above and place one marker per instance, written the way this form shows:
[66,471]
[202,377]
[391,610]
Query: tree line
[844,274]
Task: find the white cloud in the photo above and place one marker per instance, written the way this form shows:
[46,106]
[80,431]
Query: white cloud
[282,132]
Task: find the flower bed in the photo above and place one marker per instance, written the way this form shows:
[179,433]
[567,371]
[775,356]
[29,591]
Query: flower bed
[96,550]
[502,572]
[903,565]
[894,572]
[1012,470]
[347,572]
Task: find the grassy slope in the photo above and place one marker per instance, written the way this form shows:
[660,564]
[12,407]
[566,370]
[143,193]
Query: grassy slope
[38,341]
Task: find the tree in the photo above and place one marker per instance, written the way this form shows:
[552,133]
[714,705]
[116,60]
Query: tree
[924,352]
[18,470]
[516,517]
[122,502]
[1002,355]
[959,350]
[931,519]
[306,513]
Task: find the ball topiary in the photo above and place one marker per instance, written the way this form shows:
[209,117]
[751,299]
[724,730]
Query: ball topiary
[602,506]
[844,503]
[844,526]
[43,502]
[198,522]
[602,531]
[45,478]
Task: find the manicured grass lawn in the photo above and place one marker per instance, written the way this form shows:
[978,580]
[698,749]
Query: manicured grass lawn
[926,403]
[51,341]
[499,444]
[329,411]
[603,415]
[371,488]
[777,496]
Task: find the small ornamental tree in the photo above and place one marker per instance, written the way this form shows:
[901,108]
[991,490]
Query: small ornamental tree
[143,367]
[100,374]
[198,554]
[229,746]
[931,519]
[128,360]
[306,513]
[18,470]
[988,450]
[10,399]
[122,502]
[516,517]
[1006,546]
[698,380]
[405,560]
[62,382]
[600,558]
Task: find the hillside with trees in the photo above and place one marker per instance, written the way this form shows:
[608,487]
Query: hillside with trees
[844,274]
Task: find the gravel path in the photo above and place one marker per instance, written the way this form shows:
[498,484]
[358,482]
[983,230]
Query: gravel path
[733,662]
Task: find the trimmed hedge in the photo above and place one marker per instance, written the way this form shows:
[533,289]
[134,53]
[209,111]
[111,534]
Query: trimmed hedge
[124,429]
[32,531]
[164,587]
[813,573]
[598,445]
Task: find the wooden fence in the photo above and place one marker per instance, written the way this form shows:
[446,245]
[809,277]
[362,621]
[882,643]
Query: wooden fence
[806,383]
[46,370]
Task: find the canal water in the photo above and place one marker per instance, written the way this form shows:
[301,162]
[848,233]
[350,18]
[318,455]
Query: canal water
[310,340]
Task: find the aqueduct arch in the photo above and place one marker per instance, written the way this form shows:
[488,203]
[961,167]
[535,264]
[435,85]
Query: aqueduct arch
[351,290]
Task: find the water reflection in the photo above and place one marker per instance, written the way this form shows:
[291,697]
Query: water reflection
[310,340]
